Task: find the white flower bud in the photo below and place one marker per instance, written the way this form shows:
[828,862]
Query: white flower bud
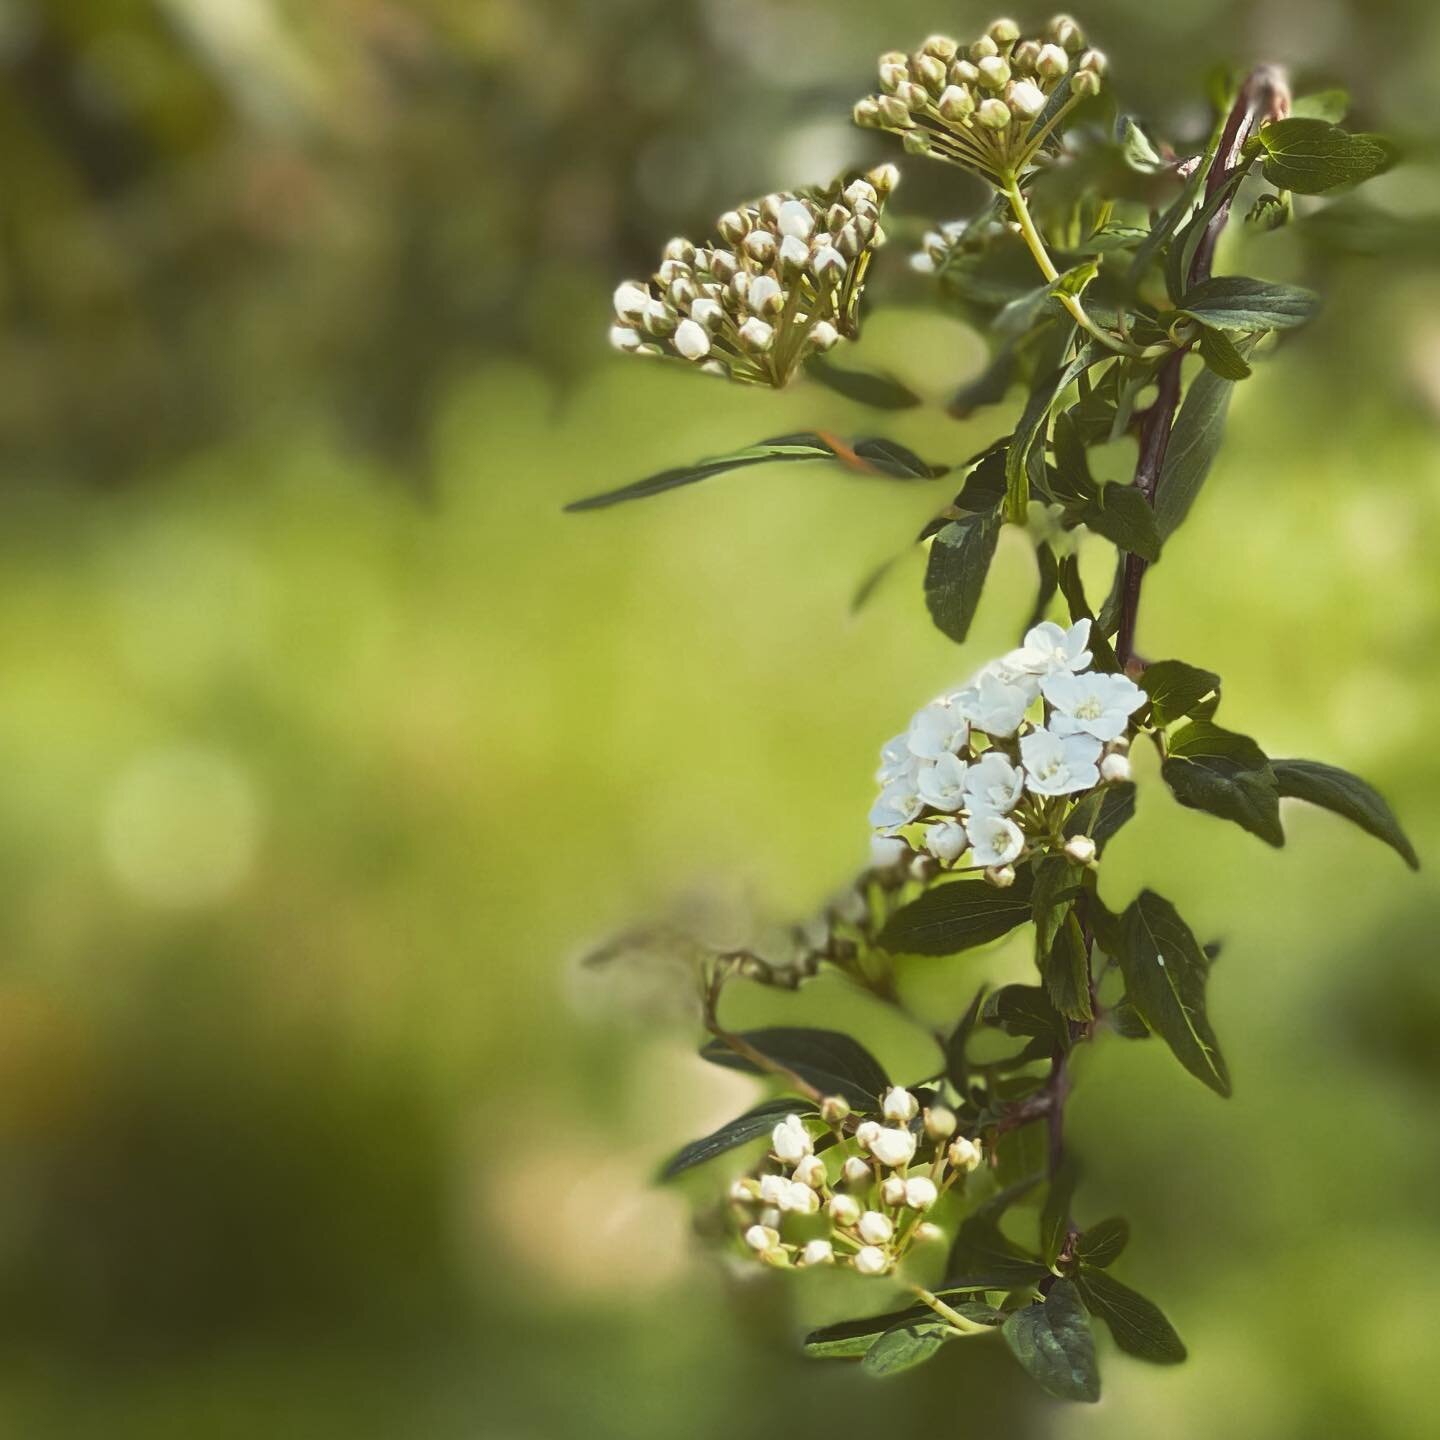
[858,190]
[1115,767]
[744,1192]
[1004,32]
[1002,877]
[893,1148]
[1052,62]
[892,75]
[921,1192]
[894,114]
[1064,31]
[993,114]
[824,336]
[791,1141]
[962,72]
[680,249]
[660,318]
[631,298]
[887,852]
[691,340]
[927,1233]
[916,142]
[856,1171]
[994,71]
[761,1238]
[923,867]
[946,841]
[622,337]
[940,46]
[983,49]
[956,103]
[724,266]
[866,113]
[965,1154]
[866,1132]
[810,1171]
[845,1210]
[892,1190]
[1087,82]
[770,1217]
[930,71]
[707,312]
[826,262]
[794,254]
[834,1109]
[800,1198]
[795,218]
[912,96]
[756,334]
[899,1105]
[869,1260]
[774,1189]
[760,246]
[1024,56]
[875,1228]
[732,226]
[1026,100]
[1081,849]
[1093,61]
[884,178]
[940,1122]
[764,294]
[817,1252]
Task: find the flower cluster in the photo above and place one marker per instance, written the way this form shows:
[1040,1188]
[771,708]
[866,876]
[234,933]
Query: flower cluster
[990,770]
[857,1192]
[781,280]
[989,107]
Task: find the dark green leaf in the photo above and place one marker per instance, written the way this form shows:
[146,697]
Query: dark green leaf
[851,1338]
[1180,258]
[1311,156]
[1123,516]
[749,1126]
[1176,689]
[1127,1022]
[985,1258]
[1101,813]
[1066,972]
[984,486]
[1227,775]
[1194,443]
[880,392]
[907,1346]
[957,1064]
[1335,789]
[1025,442]
[1138,1325]
[1056,885]
[833,1063]
[960,557]
[1054,1344]
[1055,1214]
[885,457]
[1238,302]
[1025,1010]
[1165,972]
[956,916]
[1220,355]
[866,589]
[1073,589]
[1103,1243]
[1049,571]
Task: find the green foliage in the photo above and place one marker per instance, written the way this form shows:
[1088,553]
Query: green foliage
[1139,1327]
[832,1062]
[956,917]
[1334,789]
[1311,156]
[1052,1340]
[740,1131]
[1104,1242]
[1215,770]
[1235,302]
[960,557]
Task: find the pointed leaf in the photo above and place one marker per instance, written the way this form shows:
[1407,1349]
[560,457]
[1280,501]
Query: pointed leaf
[1101,813]
[887,457]
[830,1061]
[1176,689]
[985,1258]
[1055,1214]
[1310,156]
[1239,302]
[1221,356]
[1103,1243]
[1066,972]
[1026,1010]
[1138,1325]
[744,1128]
[1227,775]
[1054,1344]
[957,916]
[1335,789]
[960,557]
[906,1346]
[880,392]
[1123,516]
[1194,443]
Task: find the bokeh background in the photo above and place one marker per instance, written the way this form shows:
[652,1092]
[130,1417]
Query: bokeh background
[329,744]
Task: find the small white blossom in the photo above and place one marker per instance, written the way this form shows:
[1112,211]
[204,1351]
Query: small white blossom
[897,805]
[993,785]
[801,1199]
[794,253]
[810,1171]
[887,851]
[927,1233]
[939,729]
[942,785]
[899,1104]
[892,1190]
[691,340]
[1081,849]
[817,1252]
[1002,877]
[1047,649]
[897,760]
[893,1148]
[824,336]
[826,259]
[763,289]
[940,1122]
[757,334]
[870,1260]
[631,300]
[761,1238]
[743,1192]
[856,1171]
[995,705]
[1056,765]
[794,218]
[1027,99]
[845,1210]
[921,1192]
[965,1154]
[774,1189]
[1115,767]
[875,1228]
[997,840]
[1091,704]
[791,1141]
[947,841]
[707,312]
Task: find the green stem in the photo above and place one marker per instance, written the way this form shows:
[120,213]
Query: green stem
[951,1317]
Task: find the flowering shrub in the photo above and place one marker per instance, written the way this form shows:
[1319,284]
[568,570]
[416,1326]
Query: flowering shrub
[1091,269]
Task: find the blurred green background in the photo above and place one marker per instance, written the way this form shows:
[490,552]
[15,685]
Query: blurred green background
[329,744]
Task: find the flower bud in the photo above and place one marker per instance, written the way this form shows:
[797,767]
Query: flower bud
[800,1198]
[1026,100]
[921,1192]
[826,262]
[899,1105]
[1065,32]
[887,852]
[894,114]
[866,113]
[706,312]
[760,246]
[845,1210]
[940,1122]
[884,178]
[660,318]
[912,96]
[1004,32]
[1087,82]
[962,72]
[744,1192]
[1093,61]
[893,1148]
[965,1154]
[1115,767]
[824,336]
[834,1109]
[927,1233]
[791,1141]
[930,72]
[724,266]
[761,1238]
[1002,877]
[916,142]
[810,1171]
[956,103]
[893,75]
[770,1217]
[892,1190]
[817,1252]
[983,49]
[680,249]
[672,270]
[1081,849]
[858,190]
[993,114]
[773,1190]
[865,1133]
[732,226]
[994,71]
[923,867]
[691,340]
[794,255]
[869,1260]
[622,337]
[856,1171]
[942,47]
[764,295]
[631,299]
[755,334]
[875,1228]
[1052,62]
[1024,56]
[946,841]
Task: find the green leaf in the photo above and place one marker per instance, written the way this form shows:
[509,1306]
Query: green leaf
[1327,105]
[749,1126]
[886,457]
[1165,972]
[1055,1214]
[1138,1325]
[830,1061]
[1227,775]
[1052,1341]
[1176,689]
[1066,972]
[880,392]
[1076,280]
[1104,1242]
[960,557]
[1139,153]
[1102,812]
[1311,156]
[985,1258]
[957,1062]
[1239,302]
[1048,568]
[906,1346]
[957,916]
[1051,384]
[1072,587]
[1220,355]
[852,1338]
[1056,885]
[1026,1010]
[1127,1022]
[1194,443]
[1335,789]
[1180,259]
[1123,516]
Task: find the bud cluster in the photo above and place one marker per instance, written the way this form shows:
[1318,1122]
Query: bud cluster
[987,107]
[780,281]
[857,1192]
[992,771]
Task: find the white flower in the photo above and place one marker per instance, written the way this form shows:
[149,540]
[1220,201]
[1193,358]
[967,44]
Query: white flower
[1047,649]
[1081,849]
[887,851]
[892,1190]
[810,1171]
[817,1252]
[858,190]
[865,1133]
[993,785]
[920,1192]
[1091,704]
[897,760]
[763,288]
[897,805]
[855,1171]
[794,218]
[1059,766]
[794,253]
[939,729]
[757,334]
[1115,767]
[965,1154]
[997,840]
[827,259]
[893,1148]
[791,1141]
[875,1228]
[899,1104]
[995,705]
[761,1238]
[691,340]
[824,336]
[871,1261]
[631,300]
[707,312]
[942,785]
[1027,99]
[743,1192]
[800,1198]
[622,337]
[947,841]
[774,1189]
[845,1210]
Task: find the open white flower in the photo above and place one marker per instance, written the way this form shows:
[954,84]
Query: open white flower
[942,785]
[994,704]
[1047,649]
[897,805]
[1091,704]
[893,1148]
[996,839]
[947,841]
[939,729]
[791,1141]
[897,760]
[1056,765]
[993,785]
